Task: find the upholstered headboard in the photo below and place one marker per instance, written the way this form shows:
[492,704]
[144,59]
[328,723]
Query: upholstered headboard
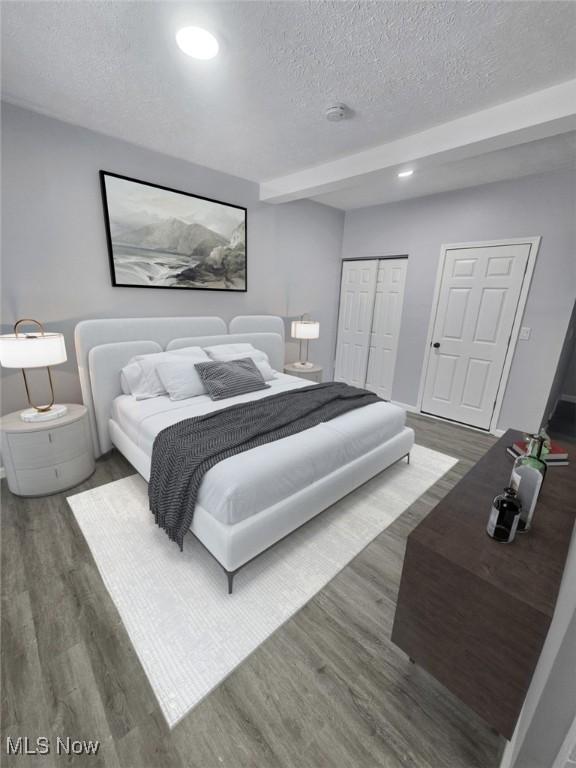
[257,324]
[271,343]
[104,346]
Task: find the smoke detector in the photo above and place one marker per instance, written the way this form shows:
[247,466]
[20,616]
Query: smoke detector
[338,112]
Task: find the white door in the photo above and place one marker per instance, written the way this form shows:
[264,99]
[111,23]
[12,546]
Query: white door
[477,303]
[355,320]
[386,326]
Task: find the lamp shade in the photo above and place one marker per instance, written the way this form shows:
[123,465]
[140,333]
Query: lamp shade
[305,329]
[32,350]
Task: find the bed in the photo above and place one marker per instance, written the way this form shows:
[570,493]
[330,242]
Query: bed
[251,500]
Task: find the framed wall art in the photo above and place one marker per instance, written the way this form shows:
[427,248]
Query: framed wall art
[163,238]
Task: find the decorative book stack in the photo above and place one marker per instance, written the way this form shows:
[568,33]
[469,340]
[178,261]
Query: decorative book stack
[557,456]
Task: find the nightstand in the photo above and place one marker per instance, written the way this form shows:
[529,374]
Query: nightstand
[314,373]
[41,458]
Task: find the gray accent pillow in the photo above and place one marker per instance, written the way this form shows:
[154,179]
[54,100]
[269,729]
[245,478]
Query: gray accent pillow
[230,378]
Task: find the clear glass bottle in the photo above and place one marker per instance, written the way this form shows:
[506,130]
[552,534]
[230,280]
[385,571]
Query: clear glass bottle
[527,477]
[504,517]
[546,443]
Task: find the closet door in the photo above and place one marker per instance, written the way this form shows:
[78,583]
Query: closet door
[386,326]
[355,320]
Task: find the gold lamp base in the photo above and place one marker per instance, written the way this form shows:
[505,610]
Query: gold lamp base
[39,412]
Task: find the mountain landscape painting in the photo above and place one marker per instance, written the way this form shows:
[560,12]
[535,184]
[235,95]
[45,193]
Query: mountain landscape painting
[162,238]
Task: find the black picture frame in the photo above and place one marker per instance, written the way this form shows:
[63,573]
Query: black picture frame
[110,244]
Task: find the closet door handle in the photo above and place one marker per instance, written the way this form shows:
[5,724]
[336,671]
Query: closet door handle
[436,345]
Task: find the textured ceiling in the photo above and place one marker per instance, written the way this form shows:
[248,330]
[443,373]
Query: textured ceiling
[542,156]
[257,109]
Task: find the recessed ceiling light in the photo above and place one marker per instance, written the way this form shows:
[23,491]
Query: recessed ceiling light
[405,174]
[197,42]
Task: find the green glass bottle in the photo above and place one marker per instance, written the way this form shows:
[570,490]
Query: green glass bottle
[527,477]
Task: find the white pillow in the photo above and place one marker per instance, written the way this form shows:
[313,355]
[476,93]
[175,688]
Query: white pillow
[140,376]
[129,377]
[180,378]
[226,352]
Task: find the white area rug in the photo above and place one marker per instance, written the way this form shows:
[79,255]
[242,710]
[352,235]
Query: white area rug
[189,634]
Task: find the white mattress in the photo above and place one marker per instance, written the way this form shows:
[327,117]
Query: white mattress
[245,484]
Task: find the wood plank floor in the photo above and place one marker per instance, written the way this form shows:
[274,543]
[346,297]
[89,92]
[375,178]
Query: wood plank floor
[328,689]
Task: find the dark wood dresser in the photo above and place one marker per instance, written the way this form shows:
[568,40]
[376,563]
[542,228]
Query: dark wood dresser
[473,612]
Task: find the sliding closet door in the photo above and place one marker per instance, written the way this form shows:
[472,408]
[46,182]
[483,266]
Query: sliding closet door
[355,320]
[386,326]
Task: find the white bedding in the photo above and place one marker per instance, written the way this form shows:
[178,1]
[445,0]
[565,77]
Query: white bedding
[245,484]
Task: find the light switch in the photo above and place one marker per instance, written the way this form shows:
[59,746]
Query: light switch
[525,333]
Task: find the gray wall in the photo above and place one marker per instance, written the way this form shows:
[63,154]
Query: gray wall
[564,383]
[306,286]
[537,205]
[550,704]
[556,708]
[55,262]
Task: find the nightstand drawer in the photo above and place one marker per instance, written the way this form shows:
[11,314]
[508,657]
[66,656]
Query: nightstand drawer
[48,447]
[39,482]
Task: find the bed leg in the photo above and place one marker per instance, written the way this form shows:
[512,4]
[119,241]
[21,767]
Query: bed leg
[230,575]
[407,458]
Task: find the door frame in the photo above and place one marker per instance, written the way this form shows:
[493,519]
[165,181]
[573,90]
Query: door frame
[534,243]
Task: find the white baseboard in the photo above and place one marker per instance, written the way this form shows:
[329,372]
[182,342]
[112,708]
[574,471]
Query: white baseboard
[409,408]
[415,409]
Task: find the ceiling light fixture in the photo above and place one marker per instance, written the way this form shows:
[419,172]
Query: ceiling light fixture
[197,42]
[405,174]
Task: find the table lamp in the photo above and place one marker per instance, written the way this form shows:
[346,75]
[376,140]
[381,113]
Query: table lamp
[304,330]
[34,350]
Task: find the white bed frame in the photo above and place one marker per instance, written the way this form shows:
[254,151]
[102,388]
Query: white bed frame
[103,347]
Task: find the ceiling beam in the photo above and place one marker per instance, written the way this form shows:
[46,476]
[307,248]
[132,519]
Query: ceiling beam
[541,114]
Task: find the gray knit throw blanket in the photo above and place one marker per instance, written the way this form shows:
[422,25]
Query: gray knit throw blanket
[184,452]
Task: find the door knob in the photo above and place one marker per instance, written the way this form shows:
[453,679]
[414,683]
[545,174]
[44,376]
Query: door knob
[436,345]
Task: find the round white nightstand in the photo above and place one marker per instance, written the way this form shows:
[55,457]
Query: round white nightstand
[314,373]
[41,458]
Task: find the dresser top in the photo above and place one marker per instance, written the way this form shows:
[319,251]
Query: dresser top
[531,567]
[13,423]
